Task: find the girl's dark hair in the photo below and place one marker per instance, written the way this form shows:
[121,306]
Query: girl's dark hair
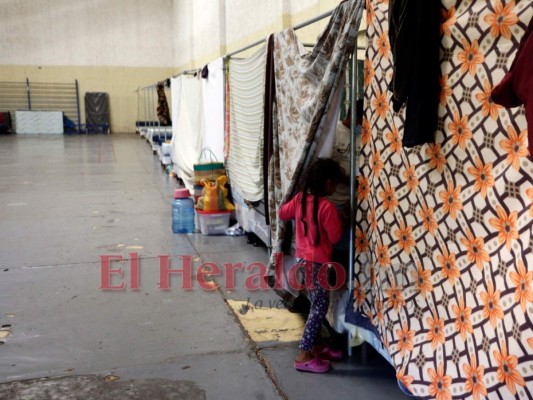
[321,171]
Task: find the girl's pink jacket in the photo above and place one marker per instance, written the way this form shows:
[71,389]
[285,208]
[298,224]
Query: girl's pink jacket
[329,224]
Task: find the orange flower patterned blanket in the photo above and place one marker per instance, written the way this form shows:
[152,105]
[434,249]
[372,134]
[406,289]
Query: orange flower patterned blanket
[444,231]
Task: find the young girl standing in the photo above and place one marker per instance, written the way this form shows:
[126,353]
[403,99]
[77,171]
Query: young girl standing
[318,228]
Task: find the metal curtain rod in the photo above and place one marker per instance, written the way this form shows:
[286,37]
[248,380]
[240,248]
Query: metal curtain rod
[354,79]
[299,26]
[147,87]
[150,86]
[313,20]
[244,48]
[187,72]
[228,55]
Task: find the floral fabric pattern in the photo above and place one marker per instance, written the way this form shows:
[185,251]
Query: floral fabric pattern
[305,84]
[443,270]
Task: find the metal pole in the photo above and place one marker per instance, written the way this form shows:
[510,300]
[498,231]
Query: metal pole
[149,109]
[154,106]
[296,27]
[312,21]
[145,109]
[151,97]
[138,109]
[225,73]
[28,93]
[353,118]
[145,117]
[245,48]
[78,105]
[152,118]
[187,72]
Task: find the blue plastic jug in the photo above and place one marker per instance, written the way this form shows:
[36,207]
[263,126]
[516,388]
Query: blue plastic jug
[182,212]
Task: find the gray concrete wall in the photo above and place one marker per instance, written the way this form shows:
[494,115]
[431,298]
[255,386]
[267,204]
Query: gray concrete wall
[205,30]
[132,33]
[111,46]
[115,46]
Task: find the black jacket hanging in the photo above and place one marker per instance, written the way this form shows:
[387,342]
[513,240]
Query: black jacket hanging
[414,36]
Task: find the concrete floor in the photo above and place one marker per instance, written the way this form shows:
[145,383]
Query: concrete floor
[67,201]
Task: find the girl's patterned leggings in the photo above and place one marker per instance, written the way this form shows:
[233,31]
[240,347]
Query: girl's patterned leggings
[319,298]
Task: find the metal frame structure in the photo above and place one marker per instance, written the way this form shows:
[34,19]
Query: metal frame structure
[150,104]
[227,57]
[354,78]
[296,27]
[42,96]
[353,99]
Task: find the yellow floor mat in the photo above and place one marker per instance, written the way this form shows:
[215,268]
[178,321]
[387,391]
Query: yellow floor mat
[265,323]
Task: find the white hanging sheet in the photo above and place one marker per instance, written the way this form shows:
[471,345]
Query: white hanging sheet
[245,159]
[213,108]
[175,92]
[187,129]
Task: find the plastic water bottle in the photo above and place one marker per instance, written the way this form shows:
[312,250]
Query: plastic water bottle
[182,212]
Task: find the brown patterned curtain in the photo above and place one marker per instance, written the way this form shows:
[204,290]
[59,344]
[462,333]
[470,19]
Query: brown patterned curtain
[163,112]
[304,87]
[447,227]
